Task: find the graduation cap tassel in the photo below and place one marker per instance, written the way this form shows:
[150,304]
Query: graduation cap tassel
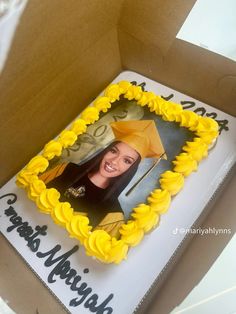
[145,175]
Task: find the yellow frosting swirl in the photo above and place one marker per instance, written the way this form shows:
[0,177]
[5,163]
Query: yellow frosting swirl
[105,248]
[145,217]
[161,105]
[131,234]
[79,127]
[187,119]
[185,164]
[207,129]
[62,213]
[47,200]
[159,200]
[112,92]
[102,104]
[67,138]
[37,164]
[207,137]
[24,178]
[52,149]
[197,149]
[78,227]
[172,181]
[146,98]
[171,112]
[133,92]
[124,85]
[98,244]
[90,115]
[154,104]
[35,188]
[118,251]
[206,124]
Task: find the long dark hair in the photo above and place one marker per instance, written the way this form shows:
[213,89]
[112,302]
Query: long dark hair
[74,172]
[117,184]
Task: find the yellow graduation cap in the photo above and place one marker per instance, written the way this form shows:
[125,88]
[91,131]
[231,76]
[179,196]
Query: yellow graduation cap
[141,135]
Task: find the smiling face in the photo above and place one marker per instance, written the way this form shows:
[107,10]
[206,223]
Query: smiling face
[117,160]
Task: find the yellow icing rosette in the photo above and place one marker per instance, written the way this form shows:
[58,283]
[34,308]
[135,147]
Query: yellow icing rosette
[98,244]
[24,178]
[187,119]
[90,115]
[47,200]
[35,188]
[124,86]
[78,227]
[131,234]
[145,217]
[117,252]
[102,104]
[159,200]
[62,213]
[162,105]
[207,137]
[171,111]
[112,92]
[37,164]
[67,138]
[153,104]
[207,129]
[52,149]
[198,149]
[79,126]
[133,92]
[206,124]
[146,98]
[172,181]
[105,248]
[185,164]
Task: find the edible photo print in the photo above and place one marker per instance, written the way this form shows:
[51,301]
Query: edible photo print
[114,165]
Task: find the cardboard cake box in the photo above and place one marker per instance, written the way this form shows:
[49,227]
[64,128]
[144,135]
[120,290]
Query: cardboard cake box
[63,55]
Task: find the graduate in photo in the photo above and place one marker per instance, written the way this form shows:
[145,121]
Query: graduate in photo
[93,187]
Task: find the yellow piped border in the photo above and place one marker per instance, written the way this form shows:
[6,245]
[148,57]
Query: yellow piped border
[145,217]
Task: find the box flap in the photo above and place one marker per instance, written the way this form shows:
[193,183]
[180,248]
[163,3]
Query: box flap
[154,22]
[61,57]
[148,45]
